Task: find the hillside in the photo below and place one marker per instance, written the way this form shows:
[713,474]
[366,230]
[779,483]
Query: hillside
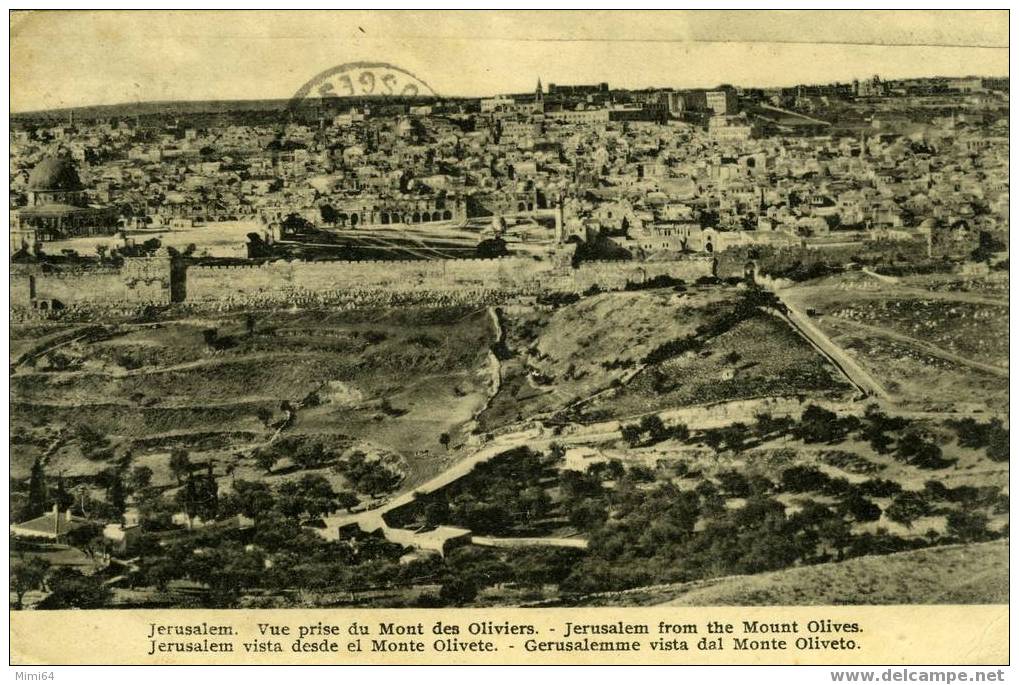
[957,574]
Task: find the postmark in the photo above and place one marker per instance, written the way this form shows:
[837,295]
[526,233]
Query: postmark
[362,80]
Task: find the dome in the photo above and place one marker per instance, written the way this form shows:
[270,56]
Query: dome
[54,173]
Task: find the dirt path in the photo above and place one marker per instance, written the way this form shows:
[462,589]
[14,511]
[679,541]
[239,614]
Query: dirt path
[856,374]
[183,366]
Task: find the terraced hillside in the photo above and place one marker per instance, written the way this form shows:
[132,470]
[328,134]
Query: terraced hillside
[392,381]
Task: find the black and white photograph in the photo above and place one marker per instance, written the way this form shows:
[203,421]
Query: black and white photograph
[508,309]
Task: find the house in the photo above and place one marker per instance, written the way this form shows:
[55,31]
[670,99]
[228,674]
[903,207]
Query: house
[122,537]
[53,525]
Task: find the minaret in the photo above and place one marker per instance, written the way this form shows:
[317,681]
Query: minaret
[538,94]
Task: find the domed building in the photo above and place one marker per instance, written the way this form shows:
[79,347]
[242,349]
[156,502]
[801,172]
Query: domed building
[57,207]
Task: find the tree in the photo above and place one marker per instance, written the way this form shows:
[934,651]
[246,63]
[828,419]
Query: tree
[345,499]
[187,498]
[141,477]
[88,537]
[227,570]
[91,440]
[765,424]
[907,507]
[318,496]
[680,432]
[252,499]
[290,499]
[115,494]
[533,503]
[735,436]
[914,448]
[37,492]
[817,425]
[997,441]
[588,514]
[986,248]
[631,434]
[264,415]
[444,440]
[62,498]
[206,502]
[180,464]
[158,571]
[309,454]
[71,589]
[328,214]
[803,479]
[968,526]
[653,425]
[733,483]
[249,324]
[490,248]
[861,508]
[266,458]
[436,512]
[458,591]
[27,575]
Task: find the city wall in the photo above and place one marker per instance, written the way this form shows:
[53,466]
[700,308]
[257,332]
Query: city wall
[140,281]
[161,281]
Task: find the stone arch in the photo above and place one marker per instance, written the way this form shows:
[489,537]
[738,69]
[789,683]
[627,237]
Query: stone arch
[416,217]
[436,216]
[708,247]
[521,207]
[384,218]
[355,219]
[447,215]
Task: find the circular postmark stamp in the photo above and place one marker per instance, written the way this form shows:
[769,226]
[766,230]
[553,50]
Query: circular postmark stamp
[362,80]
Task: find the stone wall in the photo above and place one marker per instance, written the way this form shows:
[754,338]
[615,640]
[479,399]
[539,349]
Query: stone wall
[158,281]
[139,281]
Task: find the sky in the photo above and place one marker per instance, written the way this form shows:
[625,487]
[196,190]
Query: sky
[71,59]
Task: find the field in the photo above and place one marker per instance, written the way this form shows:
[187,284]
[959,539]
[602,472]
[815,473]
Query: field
[384,382]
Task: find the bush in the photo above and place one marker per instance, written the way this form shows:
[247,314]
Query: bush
[804,479]
[861,508]
[457,591]
[907,508]
[968,526]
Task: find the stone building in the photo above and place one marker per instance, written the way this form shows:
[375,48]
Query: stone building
[57,207]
